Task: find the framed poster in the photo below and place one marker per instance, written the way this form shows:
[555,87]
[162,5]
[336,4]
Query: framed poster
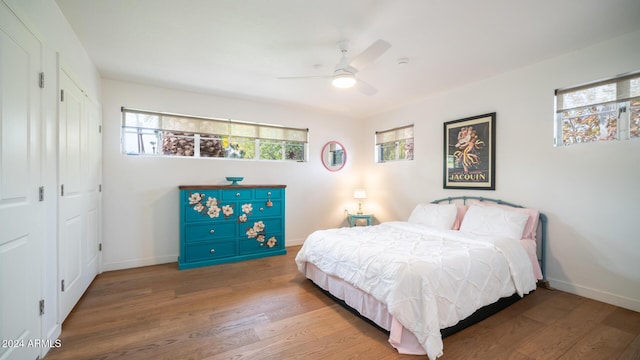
[470,153]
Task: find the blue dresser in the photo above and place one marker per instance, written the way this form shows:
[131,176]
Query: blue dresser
[226,223]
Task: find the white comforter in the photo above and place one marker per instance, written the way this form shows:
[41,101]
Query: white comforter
[429,279]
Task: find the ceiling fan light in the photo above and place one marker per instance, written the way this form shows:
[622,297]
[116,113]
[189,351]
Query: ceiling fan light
[343,81]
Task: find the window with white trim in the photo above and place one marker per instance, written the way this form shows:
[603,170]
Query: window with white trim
[599,111]
[163,134]
[394,144]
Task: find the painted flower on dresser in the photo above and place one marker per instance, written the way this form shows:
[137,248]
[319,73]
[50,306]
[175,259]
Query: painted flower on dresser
[246,210]
[258,232]
[195,198]
[213,211]
[227,210]
[271,242]
[209,206]
[257,228]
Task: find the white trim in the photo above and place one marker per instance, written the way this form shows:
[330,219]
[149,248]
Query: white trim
[595,294]
[106,266]
[294,242]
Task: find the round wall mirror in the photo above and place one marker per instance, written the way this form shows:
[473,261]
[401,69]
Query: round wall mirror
[334,156]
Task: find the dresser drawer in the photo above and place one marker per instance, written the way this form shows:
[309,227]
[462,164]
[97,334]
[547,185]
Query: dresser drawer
[252,245]
[269,226]
[260,208]
[237,194]
[210,251]
[210,231]
[193,196]
[268,193]
[210,213]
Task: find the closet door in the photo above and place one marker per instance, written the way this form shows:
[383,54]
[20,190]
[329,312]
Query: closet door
[79,205]
[94,191]
[21,213]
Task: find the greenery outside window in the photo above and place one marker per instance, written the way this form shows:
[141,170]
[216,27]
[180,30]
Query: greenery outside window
[162,134]
[394,144]
[600,111]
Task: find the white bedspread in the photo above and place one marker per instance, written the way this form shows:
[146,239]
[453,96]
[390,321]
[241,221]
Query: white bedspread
[429,279]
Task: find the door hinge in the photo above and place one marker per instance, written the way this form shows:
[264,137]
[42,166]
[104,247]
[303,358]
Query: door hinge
[61,94]
[99,129]
[41,307]
[41,80]
[62,285]
[41,193]
[99,187]
[62,190]
[100,247]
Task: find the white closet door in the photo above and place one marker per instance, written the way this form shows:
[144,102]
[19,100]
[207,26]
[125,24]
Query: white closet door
[21,213]
[73,238]
[94,191]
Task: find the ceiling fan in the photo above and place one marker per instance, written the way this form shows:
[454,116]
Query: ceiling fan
[345,71]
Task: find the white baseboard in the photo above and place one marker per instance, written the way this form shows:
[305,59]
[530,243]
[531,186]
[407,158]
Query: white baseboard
[160,260]
[55,332]
[294,242]
[606,297]
[52,335]
[105,266]
[138,263]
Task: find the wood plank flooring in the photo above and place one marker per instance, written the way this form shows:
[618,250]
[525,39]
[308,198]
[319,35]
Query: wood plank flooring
[265,309]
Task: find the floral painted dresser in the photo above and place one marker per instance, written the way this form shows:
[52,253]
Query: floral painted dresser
[225,223]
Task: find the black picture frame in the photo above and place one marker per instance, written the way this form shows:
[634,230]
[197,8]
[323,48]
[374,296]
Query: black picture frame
[470,153]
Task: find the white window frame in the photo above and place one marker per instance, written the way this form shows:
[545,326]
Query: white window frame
[223,132]
[599,111]
[400,139]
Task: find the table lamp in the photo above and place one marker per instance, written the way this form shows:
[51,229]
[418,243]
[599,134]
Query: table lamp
[359,195]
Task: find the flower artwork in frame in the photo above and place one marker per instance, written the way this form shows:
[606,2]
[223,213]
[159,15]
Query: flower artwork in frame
[469,153]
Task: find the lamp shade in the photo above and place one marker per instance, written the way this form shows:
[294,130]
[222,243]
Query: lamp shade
[360,194]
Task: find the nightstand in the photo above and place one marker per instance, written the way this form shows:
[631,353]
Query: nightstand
[359,220]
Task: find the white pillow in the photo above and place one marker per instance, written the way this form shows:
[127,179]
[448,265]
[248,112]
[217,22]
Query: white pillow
[438,216]
[493,220]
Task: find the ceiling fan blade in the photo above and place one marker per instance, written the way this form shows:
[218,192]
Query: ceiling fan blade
[304,77]
[365,88]
[369,54]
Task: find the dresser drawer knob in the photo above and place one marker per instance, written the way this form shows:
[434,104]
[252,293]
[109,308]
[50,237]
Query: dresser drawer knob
[212,251]
[237,194]
[261,209]
[211,231]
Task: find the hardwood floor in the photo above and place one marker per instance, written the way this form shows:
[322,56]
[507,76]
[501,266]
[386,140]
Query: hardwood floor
[265,309]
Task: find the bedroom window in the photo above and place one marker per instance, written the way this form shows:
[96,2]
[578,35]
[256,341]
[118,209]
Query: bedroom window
[394,144]
[162,134]
[600,111]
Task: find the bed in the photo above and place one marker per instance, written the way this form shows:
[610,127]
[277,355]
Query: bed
[453,262]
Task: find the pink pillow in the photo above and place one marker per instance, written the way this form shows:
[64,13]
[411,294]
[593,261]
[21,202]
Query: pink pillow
[462,209]
[530,228]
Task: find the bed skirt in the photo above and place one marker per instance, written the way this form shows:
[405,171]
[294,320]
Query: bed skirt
[376,312]
[400,338]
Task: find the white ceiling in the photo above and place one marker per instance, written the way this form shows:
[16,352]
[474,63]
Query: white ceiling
[239,47]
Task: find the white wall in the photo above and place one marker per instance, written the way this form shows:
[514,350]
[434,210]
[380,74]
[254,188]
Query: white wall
[44,19]
[589,191]
[140,193]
